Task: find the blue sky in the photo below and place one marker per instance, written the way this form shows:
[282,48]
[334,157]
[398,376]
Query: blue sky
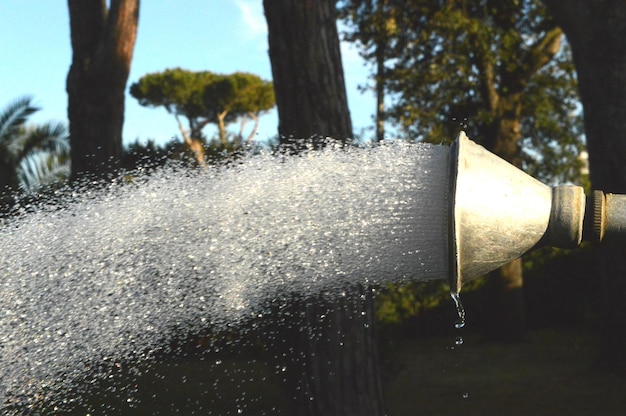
[222,36]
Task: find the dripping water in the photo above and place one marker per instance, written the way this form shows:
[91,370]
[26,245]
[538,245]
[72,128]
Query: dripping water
[460,311]
[459,324]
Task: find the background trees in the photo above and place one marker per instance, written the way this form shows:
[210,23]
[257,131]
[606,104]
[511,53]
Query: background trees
[499,70]
[474,65]
[204,97]
[103,37]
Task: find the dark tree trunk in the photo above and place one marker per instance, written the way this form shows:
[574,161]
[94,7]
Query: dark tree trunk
[307,69]
[506,304]
[332,356]
[8,183]
[380,91]
[333,368]
[596,32]
[102,42]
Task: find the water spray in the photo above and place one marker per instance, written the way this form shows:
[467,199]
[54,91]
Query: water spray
[500,213]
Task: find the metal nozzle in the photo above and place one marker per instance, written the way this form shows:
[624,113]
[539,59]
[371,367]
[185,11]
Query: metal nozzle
[500,213]
[606,218]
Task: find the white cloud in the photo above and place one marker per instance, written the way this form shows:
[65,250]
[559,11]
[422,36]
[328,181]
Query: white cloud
[252,17]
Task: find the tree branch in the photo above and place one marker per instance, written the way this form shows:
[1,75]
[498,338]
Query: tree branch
[242,125]
[543,51]
[222,128]
[254,117]
[194,145]
[489,89]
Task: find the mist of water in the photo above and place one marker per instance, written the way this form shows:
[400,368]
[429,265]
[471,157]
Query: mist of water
[115,275]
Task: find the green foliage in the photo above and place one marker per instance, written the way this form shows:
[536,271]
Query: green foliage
[470,64]
[44,156]
[180,92]
[30,156]
[205,97]
[371,23]
[552,124]
[397,304]
[240,93]
[13,118]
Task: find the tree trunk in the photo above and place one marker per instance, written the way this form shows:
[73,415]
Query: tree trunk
[332,356]
[380,91]
[252,135]
[8,182]
[102,42]
[595,30]
[383,27]
[505,295]
[222,129]
[334,361]
[506,304]
[195,145]
[307,70]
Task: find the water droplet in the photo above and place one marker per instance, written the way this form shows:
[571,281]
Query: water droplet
[460,322]
[458,341]
[465,395]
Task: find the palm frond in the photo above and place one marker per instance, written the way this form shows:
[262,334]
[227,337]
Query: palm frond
[37,154]
[42,168]
[14,116]
[50,137]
